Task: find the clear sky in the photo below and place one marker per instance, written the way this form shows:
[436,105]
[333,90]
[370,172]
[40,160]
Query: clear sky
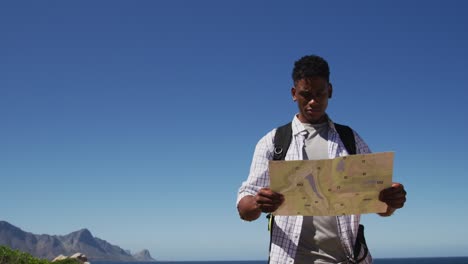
[138,119]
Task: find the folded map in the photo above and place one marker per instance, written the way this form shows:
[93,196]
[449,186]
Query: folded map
[339,186]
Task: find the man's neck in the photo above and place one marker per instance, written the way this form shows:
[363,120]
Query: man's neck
[321,120]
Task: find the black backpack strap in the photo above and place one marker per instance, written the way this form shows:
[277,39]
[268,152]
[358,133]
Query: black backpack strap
[282,141]
[347,137]
[360,243]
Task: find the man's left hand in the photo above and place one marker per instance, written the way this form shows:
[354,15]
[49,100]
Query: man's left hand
[394,197]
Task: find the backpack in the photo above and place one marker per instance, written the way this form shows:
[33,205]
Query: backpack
[282,141]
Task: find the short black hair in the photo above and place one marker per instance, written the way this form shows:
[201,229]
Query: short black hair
[311,66]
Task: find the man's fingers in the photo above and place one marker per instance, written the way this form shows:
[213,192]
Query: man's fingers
[266,195]
[267,192]
[268,200]
[394,196]
[268,208]
[394,190]
[399,203]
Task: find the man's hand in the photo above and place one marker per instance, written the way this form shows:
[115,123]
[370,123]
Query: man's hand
[251,207]
[394,197]
[268,201]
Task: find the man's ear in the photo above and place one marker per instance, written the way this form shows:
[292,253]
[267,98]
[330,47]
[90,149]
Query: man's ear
[330,90]
[293,93]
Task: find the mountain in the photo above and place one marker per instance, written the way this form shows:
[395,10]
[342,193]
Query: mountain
[47,246]
[143,255]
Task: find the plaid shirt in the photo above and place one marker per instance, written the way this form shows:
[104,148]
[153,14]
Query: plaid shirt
[287,229]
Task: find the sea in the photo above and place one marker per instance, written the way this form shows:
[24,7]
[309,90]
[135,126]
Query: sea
[441,260]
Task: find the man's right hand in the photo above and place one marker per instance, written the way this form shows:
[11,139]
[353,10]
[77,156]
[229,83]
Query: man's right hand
[251,207]
[268,201]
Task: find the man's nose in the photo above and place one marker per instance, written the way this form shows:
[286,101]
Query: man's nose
[312,101]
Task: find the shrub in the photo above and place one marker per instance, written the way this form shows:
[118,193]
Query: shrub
[10,256]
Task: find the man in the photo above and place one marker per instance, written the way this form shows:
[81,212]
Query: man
[308,239]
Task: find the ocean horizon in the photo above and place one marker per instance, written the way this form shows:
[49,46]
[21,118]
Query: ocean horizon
[414,260]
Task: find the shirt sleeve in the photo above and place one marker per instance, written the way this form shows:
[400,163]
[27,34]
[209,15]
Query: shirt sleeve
[258,176]
[361,146]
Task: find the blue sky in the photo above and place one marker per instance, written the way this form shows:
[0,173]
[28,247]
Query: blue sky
[138,119]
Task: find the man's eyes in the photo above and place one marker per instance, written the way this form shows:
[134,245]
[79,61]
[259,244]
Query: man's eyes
[309,95]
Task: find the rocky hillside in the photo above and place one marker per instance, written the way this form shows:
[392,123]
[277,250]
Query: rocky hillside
[47,246]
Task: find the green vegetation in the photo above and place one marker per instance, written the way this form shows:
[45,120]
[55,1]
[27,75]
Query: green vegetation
[10,256]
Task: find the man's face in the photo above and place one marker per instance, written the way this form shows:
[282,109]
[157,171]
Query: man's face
[312,95]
